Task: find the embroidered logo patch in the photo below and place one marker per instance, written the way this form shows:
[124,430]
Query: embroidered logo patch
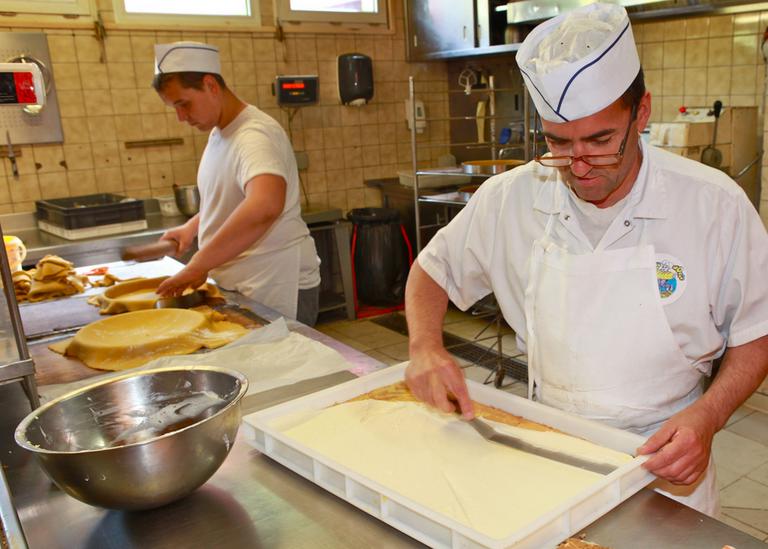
[671,277]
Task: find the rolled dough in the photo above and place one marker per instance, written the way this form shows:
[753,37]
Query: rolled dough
[138,294]
[132,339]
[440,462]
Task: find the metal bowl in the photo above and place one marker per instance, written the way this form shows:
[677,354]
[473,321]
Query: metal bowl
[187,199]
[140,440]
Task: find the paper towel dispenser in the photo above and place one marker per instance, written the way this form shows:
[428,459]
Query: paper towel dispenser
[355,79]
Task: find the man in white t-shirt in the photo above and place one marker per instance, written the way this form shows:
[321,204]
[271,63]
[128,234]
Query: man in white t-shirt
[623,269]
[251,236]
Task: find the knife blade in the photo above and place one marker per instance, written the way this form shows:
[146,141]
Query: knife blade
[492,435]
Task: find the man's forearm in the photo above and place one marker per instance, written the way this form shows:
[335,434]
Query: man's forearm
[425,306]
[193,223]
[743,369]
[237,234]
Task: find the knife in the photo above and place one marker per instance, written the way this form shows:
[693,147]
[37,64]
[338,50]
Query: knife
[492,435]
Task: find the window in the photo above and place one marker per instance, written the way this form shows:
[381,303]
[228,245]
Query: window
[68,7]
[189,7]
[333,11]
[191,13]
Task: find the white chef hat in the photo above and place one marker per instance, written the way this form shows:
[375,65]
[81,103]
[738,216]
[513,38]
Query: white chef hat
[187,57]
[579,63]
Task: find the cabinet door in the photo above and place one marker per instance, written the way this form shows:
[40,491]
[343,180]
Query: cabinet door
[439,26]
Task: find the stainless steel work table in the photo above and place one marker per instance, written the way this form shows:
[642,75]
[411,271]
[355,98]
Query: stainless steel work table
[254,502]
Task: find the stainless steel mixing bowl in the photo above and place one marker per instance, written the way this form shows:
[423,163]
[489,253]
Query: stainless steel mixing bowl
[140,440]
[187,199]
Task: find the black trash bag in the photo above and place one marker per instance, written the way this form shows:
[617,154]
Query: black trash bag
[381,259]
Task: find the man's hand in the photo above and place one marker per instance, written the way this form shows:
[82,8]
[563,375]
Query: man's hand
[434,377]
[188,277]
[182,236]
[682,446]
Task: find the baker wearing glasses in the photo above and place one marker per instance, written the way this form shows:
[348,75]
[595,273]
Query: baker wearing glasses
[623,269]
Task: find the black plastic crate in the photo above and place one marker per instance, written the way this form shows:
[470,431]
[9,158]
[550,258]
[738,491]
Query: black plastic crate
[93,210]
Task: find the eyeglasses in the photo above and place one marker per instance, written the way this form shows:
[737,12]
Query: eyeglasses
[595,160]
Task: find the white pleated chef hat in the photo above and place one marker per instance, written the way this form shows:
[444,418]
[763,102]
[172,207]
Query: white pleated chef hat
[579,63]
[187,57]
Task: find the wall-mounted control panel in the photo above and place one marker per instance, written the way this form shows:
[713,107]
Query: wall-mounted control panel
[296,91]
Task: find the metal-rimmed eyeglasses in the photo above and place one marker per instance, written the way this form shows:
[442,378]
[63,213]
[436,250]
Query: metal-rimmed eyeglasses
[594,160]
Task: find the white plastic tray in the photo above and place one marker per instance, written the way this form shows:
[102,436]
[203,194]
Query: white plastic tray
[430,527]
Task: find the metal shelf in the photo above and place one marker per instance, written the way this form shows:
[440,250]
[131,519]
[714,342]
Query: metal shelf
[453,201]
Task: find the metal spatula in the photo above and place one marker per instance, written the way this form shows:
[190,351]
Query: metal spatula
[491,434]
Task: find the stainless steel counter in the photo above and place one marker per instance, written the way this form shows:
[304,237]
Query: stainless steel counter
[106,249]
[254,502]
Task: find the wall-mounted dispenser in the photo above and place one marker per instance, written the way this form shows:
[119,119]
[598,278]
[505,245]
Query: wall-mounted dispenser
[355,79]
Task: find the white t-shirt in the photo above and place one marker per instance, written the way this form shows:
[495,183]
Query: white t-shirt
[594,221]
[703,228]
[255,144]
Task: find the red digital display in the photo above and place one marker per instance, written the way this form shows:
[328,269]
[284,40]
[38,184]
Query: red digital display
[25,87]
[293,85]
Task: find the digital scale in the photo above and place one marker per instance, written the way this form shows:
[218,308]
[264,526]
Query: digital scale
[296,91]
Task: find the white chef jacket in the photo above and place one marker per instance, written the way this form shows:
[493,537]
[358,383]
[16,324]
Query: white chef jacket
[705,232]
[284,259]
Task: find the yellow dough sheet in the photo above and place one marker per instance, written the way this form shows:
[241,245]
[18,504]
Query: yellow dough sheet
[442,463]
[132,339]
[139,294]
[52,277]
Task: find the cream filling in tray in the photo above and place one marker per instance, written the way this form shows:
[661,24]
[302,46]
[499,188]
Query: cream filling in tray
[432,476]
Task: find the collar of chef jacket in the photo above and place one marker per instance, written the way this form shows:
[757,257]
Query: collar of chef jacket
[648,198]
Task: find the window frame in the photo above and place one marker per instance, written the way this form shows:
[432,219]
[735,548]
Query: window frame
[285,14]
[156,20]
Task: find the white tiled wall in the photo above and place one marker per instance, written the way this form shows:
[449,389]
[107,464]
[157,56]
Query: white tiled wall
[695,61]
[103,105]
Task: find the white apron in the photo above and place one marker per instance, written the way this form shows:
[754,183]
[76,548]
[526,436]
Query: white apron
[272,278]
[600,346]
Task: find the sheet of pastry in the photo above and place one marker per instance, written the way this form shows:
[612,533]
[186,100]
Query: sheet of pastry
[441,462]
[132,339]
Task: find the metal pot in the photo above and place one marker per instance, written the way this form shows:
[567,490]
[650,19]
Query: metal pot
[489,167]
[140,440]
[187,199]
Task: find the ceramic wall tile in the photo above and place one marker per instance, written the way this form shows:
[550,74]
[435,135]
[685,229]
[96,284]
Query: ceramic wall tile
[67,76]
[696,53]
[93,76]
[720,51]
[241,48]
[697,27]
[102,129]
[61,46]
[87,48]
[78,157]
[745,49]
[105,155]
[653,55]
[81,182]
[721,25]
[53,185]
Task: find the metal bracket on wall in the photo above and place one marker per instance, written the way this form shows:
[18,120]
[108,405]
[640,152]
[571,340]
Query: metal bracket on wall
[153,142]
[4,152]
